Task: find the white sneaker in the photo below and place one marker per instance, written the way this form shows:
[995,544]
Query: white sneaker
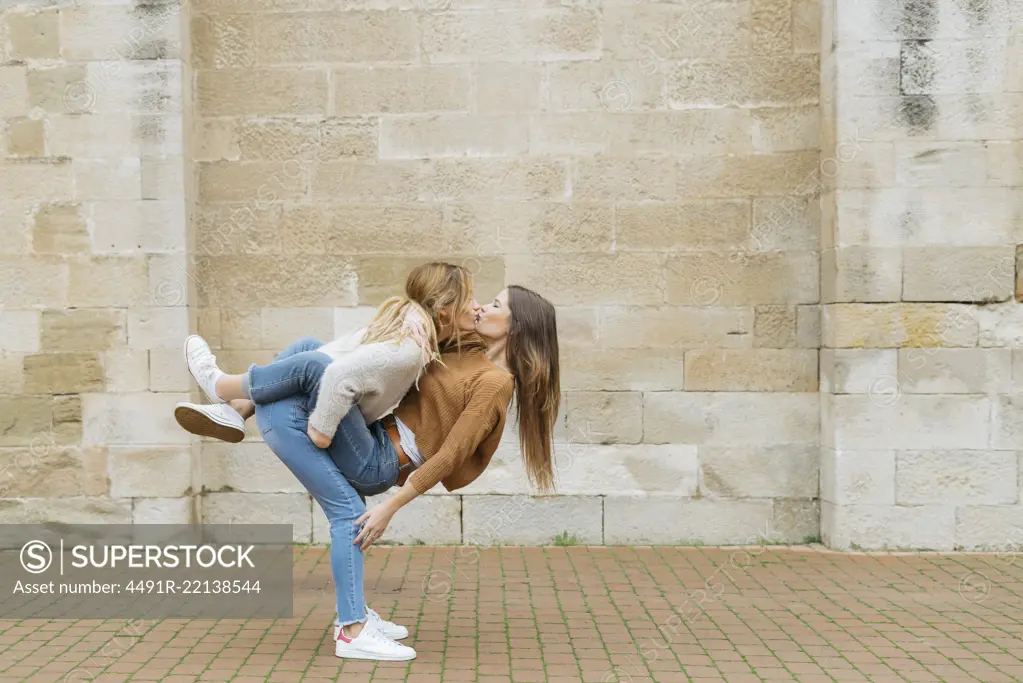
[202,364]
[389,629]
[220,421]
[371,644]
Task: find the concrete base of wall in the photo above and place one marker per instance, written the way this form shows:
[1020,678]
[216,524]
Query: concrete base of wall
[448,519]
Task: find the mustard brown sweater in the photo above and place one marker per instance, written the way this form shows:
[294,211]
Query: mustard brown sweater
[458,414]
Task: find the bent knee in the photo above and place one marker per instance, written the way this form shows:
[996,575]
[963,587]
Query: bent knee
[319,361]
[309,343]
[300,346]
[342,519]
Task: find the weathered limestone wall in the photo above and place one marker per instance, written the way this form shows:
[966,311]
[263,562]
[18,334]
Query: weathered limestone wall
[651,168]
[921,414]
[93,300]
[697,190]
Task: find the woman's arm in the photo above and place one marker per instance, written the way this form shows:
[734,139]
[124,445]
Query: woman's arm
[377,367]
[377,518]
[489,399]
[474,424]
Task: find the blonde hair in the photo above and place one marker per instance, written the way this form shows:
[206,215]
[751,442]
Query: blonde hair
[429,289]
[532,354]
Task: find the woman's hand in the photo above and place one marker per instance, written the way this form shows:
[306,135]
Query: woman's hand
[374,523]
[318,438]
[415,327]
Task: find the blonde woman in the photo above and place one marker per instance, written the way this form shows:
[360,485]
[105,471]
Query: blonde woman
[373,366]
[448,427]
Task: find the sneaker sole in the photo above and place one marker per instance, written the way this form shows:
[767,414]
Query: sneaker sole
[188,366]
[201,424]
[374,657]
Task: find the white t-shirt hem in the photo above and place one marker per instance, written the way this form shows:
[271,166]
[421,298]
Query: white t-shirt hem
[408,443]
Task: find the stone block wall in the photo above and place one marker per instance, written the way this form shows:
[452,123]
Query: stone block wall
[648,167]
[780,234]
[93,301]
[920,418]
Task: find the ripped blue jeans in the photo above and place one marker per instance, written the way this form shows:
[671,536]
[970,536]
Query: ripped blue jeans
[359,462]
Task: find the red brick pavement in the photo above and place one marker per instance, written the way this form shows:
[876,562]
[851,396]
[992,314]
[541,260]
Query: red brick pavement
[587,614]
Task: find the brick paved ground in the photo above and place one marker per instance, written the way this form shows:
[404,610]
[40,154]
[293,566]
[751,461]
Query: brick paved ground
[589,614]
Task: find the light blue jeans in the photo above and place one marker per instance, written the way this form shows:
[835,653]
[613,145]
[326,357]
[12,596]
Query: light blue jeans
[360,461]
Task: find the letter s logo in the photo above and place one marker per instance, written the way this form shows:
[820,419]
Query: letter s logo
[36,557]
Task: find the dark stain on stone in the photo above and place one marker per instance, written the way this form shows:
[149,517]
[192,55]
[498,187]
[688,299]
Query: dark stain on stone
[157,49]
[715,483]
[977,58]
[1019,272]
[976,108]
[918,18]
[977,11]
[154,91]
[917,67]
[918,113]
[150,130]
[145,41]
[150,133]
[908,224]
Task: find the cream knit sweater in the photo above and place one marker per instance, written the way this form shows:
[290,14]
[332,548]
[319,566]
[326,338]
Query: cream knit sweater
[375,376]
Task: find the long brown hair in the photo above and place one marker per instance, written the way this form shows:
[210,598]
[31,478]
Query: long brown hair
[429,289]
[532,355]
